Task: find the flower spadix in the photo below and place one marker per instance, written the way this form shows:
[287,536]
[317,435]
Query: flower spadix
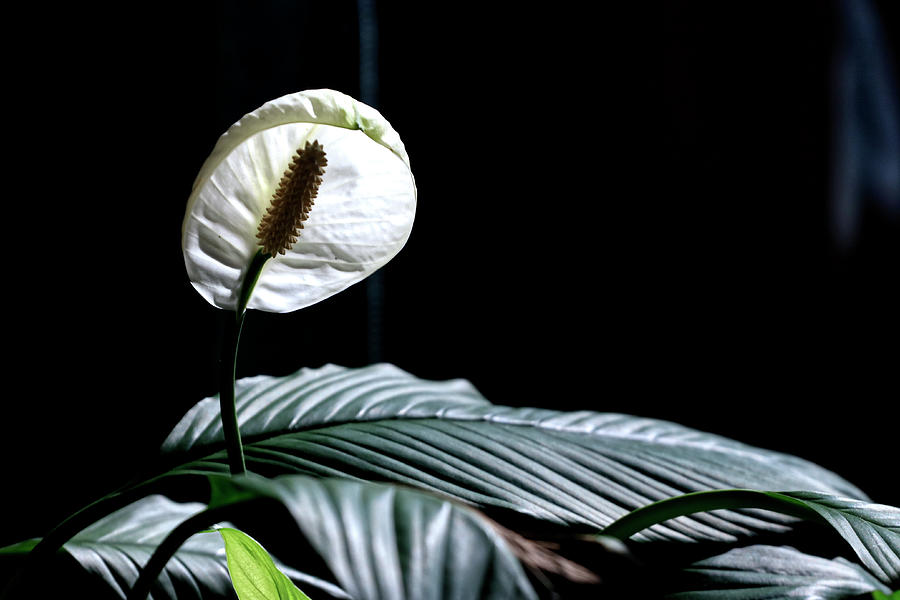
[315,180]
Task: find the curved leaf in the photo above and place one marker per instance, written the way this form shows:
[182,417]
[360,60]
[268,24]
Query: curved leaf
[872,530]
[377,541]
[116,548]
[384,541]
[582,468]
[771,573]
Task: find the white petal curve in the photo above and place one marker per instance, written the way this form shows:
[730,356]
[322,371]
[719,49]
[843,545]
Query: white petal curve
[362,216]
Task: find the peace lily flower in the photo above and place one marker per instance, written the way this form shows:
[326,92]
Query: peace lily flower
[347,193]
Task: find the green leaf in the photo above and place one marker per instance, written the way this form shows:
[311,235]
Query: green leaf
[115,548]
[383,541]
[253,573]
[582,468]
[872,530]
[375,540]
[768,573]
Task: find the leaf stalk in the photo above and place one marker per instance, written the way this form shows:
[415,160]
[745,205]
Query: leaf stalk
[687,504]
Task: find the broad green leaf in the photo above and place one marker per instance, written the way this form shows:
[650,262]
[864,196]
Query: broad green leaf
[578,468]
[116,547]
[384,541]
[872,530]
[376,540]
[771,573]
[253,572]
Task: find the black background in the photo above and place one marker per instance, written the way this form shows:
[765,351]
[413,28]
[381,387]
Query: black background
[621,210]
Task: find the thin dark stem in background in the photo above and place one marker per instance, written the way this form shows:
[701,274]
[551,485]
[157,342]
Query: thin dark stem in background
[367,17]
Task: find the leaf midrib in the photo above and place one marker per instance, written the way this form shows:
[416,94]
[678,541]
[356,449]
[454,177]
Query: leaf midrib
[731,447]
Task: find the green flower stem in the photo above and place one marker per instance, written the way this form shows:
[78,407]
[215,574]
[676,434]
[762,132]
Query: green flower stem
[227,408]
[250,279]
[228,366]
[695,502]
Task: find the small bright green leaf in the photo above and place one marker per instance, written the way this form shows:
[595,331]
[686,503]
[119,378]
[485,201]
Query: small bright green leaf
[253,573]
[882,596]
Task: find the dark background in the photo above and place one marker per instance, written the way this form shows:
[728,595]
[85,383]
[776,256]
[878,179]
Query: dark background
[623,210]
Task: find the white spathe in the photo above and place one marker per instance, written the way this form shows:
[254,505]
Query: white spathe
[362,216]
